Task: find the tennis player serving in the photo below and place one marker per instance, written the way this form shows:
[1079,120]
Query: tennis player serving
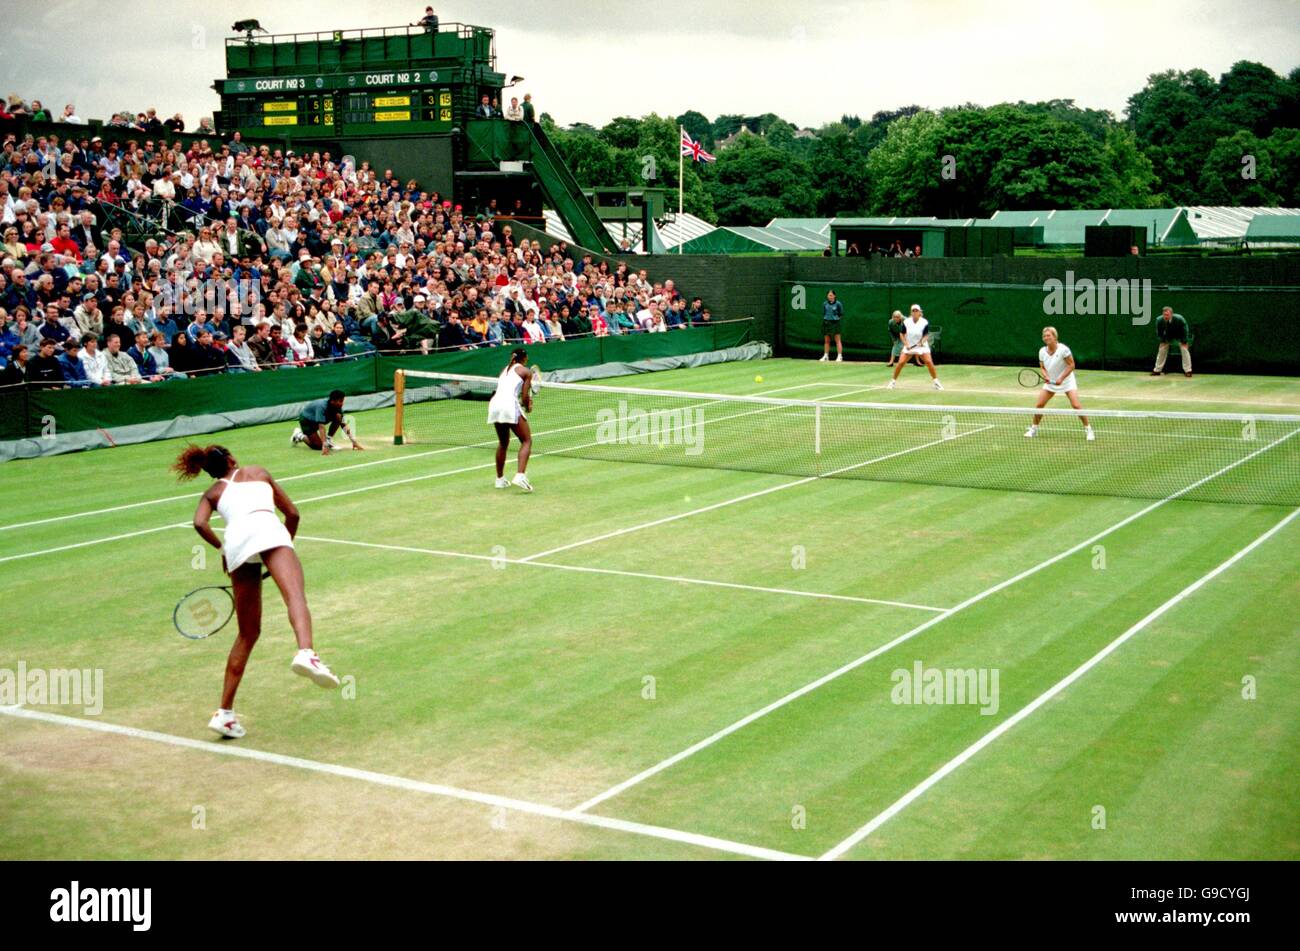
[246,498]
[1056,363]
[507,412]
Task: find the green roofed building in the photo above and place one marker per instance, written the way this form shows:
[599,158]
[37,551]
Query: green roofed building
[926,237]
[1274,229]
[1165,226]
[769,240]
[820,226]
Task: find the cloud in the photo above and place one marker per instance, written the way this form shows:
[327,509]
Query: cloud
[808,61]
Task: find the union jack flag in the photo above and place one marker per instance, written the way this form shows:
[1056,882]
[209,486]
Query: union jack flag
[694,149]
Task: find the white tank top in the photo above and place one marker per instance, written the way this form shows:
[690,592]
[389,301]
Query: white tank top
[508,386]
[240,499]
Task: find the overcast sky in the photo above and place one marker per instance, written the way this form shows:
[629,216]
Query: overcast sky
[809,61]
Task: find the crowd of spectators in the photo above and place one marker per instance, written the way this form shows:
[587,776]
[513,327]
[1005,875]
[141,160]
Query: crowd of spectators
[895,250]
[288,260]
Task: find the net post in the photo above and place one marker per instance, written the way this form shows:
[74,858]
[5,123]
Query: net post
[399,405]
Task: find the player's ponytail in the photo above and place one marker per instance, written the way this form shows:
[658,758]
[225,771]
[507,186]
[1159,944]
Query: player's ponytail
[518,356]
[214,460]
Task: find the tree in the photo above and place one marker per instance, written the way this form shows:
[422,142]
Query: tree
[591,159]
[1131,180]
[1096,122]
[1227,180]
[839,172]
[873,133]
[1253,97]
[754,183]
[1176,124]
[1284,150]
[904,168]
[622,133]
[970,162]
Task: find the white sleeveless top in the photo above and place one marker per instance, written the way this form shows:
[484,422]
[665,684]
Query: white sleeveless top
[508,386]
[241,499]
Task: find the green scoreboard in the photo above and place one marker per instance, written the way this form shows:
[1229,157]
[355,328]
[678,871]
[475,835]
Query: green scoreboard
[339,105]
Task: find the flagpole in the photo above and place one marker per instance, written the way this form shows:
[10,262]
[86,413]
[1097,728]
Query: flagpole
[681,172]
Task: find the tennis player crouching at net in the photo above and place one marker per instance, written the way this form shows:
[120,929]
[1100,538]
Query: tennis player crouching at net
[247,498]
[1056,363]
[314,418]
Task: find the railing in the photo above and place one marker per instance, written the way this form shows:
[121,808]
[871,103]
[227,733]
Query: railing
[463,30]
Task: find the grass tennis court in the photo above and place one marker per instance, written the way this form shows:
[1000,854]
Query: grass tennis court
[648,661]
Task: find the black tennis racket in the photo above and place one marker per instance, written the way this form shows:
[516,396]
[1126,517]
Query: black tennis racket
[205,611]
[1032,379]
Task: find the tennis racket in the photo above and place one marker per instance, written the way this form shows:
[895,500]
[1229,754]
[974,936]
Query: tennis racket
[205,611]
[536,383]
[1032,379]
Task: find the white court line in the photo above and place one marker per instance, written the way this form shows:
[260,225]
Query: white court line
[195,495]
[930,781]
[620,573]
[748,496]
[95,541]
[411,785]
[352,491]
[360,465]
[1132,397]
[906,636]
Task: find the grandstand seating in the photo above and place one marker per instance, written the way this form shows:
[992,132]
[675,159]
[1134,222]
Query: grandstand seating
[366,261]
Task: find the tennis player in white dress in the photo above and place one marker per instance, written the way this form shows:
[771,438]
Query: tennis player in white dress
[915,332]
[1056,363]
[508,413]
[247,499]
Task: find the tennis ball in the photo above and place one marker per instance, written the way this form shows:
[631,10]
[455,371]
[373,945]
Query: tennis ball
[758,379]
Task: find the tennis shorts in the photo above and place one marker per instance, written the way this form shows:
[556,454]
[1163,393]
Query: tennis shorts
[896,350]
[830,328]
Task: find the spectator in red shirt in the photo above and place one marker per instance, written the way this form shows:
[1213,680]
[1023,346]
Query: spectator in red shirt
[63,243]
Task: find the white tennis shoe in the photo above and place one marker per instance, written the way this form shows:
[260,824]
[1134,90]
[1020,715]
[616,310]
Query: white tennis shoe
[306,663]
[227,724]
[1088,433]
[839,358]
[938,385]
[521,480]
[1031,432]
[891,384]
[503,483]
[297,437]
[825,358]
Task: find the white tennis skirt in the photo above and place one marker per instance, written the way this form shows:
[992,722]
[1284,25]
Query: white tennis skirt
[253,534]
[917,351]
[1069,386]
[508,413]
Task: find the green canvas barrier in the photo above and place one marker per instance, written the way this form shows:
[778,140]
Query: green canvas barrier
[1236,330]
[183,426]
[27,413]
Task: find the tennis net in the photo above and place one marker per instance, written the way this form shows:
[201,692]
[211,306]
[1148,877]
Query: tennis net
[1209,457]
